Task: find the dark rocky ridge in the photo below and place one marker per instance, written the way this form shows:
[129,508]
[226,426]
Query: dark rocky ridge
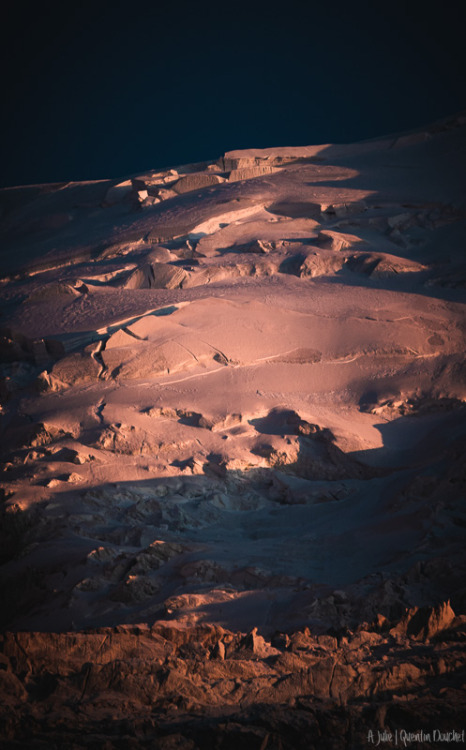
[205,687]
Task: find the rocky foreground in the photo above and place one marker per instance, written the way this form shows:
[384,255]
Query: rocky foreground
[233,451]
[206,687]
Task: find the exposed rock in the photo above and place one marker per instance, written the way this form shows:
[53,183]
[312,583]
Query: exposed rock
[167,669]
[424,623]
[191,182]
[218,651]
[246,173]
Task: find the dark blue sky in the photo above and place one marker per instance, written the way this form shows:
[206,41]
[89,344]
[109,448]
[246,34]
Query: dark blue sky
[103,90]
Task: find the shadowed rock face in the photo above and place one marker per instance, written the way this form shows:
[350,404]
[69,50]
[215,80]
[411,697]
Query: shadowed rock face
[233,451]
[207,686]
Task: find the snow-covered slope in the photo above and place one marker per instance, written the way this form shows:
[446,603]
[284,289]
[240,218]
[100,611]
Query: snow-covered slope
[233,393]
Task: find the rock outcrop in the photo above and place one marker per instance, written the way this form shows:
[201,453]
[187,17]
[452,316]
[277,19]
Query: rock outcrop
[206,686]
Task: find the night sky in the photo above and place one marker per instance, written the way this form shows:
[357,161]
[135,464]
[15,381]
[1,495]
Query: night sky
[94,90]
